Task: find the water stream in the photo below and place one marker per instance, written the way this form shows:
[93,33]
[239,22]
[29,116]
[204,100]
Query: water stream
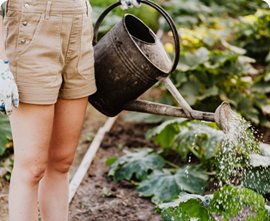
[234,158]
[238,144]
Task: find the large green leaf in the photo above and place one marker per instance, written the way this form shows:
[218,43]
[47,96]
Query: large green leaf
[184,197]
[138,164]
[5,133]
[191,61]
[165,185]
[166,132]
[202,139]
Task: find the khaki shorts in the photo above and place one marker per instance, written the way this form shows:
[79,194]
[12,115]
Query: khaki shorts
[49,45]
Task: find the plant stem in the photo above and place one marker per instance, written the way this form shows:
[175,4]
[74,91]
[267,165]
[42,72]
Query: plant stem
[172,164]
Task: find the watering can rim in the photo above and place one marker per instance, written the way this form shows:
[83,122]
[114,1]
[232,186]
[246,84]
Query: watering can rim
[162,12]
[164,72]
[151,31]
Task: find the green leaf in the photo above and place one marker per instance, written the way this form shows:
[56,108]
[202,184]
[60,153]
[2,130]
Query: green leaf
[5,133]
[212,91]
[164,185]
[258,179]
[199,138]
[184,197]
[110,161]
[191,61]
[184,137]
[192,209]
[229,201]
[191,91]
[233,48]
[135,117]
[261,87]
[138,164]
[165,133]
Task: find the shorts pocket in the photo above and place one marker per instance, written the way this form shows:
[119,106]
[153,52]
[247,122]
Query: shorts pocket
[38,34]
[39,49]
[41,38]
[29,28]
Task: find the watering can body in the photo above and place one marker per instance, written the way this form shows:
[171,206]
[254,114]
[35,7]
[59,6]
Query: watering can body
[129,59]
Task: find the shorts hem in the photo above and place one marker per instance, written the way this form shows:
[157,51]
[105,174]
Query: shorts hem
[37,96]
[78,92]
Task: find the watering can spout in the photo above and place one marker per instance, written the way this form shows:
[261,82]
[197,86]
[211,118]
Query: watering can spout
[224,116]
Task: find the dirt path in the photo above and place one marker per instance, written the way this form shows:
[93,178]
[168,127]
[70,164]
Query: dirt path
[101,199]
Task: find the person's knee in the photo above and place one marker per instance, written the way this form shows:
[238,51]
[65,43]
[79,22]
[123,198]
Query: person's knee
[61,163]
[37,172]
[32,173]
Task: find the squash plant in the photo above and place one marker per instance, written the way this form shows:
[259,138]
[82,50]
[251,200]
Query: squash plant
[178,187]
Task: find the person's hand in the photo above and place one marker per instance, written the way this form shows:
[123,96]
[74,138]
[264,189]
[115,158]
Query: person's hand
[8,89]
[125,4]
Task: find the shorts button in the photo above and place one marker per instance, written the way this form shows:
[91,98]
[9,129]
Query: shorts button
[23,41]
[25,23]
[26,5]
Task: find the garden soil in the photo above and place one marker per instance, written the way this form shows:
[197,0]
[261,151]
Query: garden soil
[99,198]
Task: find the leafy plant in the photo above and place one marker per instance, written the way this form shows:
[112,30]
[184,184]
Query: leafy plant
[184,137]
[5,134]
[165,185]
[229,201]
[192,11]
[136,165]
[223,55]
[193,209]
[206,78]
[232,8]
[258,179]
[252,34]
[262,84]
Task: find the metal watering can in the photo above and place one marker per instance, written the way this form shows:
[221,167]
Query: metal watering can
[129,60]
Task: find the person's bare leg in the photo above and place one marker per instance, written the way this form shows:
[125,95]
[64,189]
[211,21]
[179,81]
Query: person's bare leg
[53,189]
[31,129]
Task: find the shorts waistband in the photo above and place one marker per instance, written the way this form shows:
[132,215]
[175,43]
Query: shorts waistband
[53,6]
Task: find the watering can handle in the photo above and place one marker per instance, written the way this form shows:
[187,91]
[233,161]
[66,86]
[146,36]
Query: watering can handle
[161,11]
